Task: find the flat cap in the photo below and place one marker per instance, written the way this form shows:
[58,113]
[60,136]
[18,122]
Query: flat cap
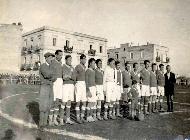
[48,54]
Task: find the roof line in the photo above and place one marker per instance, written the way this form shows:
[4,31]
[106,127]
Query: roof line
[63,31]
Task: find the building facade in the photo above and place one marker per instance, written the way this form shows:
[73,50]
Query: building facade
[129,53]
[10,45]
[47,39]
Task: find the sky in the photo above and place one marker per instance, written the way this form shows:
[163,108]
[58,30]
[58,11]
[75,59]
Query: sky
[163,22]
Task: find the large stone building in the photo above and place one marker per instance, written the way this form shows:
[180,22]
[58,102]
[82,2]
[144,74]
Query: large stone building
[48,39]
[131,53]
[10,45]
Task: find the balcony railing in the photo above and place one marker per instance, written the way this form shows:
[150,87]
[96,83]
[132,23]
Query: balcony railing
[23,67]
[92,52]
[29,67]
[158,59]
[68,49]
[35,49]
[24,51]
[36,66]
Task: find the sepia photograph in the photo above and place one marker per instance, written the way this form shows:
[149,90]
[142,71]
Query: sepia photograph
[94,69]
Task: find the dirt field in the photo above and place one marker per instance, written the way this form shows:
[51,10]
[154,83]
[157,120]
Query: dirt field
[162,126]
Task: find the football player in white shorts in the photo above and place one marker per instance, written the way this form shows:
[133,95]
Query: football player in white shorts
[69,79]
[91,91]
[153,88]
[145,89]
[161,84]
[56,66]
[119,89]
[109,82]
[80,89]
[99,87]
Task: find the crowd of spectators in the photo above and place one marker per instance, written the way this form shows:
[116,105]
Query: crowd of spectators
[31,79]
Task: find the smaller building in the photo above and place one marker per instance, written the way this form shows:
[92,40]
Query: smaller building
[131,53]
[10,45]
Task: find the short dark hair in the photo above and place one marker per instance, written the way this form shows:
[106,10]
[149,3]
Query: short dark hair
[161,65]
[134,82]
[154,64]
[126,63]
[134,64]
[97,61]
[168,66]
[90,61]
[117,62]
[146,61]
[82,56]
[67,56]
[57,52]
[110,60]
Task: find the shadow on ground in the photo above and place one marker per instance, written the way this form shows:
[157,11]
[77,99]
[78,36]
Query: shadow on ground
[33,108]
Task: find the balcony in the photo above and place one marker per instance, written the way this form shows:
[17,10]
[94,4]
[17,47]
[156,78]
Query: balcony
[167,59]
[23,67]
[36,66]
[29,67]
[68,49]
[92,52]
[24,51]
[158,59]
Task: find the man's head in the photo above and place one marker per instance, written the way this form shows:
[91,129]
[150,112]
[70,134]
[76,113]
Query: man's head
[161,66]
[153,66]
[117,65]
[83,59]
[127,66]
[58,55]
[111,62]
[68,60]
[135,66]
[168,68]
[91,63]
[99,63]
[146,64]
[49,57]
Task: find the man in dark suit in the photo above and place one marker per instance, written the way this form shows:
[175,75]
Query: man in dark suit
[169,87]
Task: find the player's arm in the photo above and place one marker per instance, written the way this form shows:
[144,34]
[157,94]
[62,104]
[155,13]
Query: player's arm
[47,74]
[87,84]
[104,80]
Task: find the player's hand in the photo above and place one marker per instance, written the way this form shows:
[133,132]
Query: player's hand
[88,93]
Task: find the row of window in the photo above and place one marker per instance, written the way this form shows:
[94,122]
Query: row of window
[54,43]
[131,55]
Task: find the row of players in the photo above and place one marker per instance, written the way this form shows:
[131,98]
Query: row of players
[90,88]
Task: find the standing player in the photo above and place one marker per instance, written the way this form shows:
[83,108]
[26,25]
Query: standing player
[145,89]
[56,65]
[135,75]
[91,91]
[127,82]
[46,92]
[161,84]
[109,83]
[69,79]
[153,88]
[99,86]
[80,89]
[119,88]
[169,87]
